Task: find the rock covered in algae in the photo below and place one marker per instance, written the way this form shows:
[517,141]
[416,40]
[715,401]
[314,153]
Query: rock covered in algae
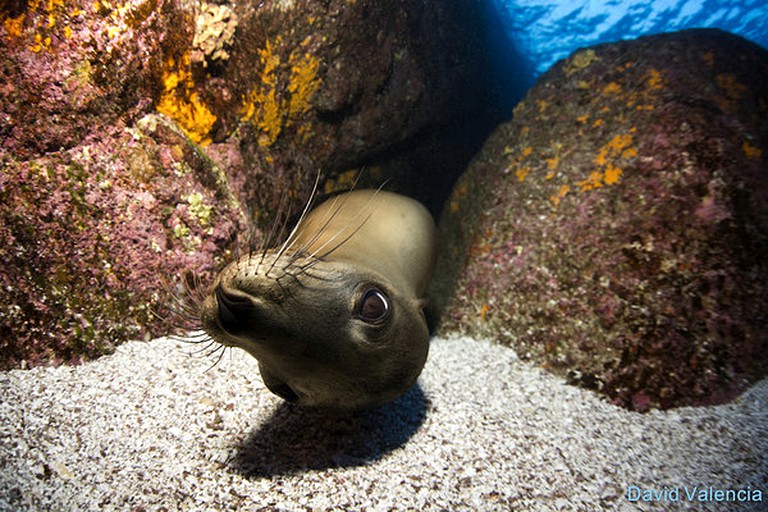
[89,235]
[101,200]
[616,230]
[136,134]
[310,85]
[71,67]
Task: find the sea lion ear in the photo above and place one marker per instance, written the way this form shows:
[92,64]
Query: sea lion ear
[422,303]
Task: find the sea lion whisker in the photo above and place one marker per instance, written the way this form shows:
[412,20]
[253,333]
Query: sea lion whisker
[178,337]
[365,206]
[287,246]
[278,225]
[183,307]
[291,240]
[188,314]
[244,241]
[314,257]
[251,242]
[221,349]
[336,205]
[189,320]
[196,291]
[191,293]
[209,349]
[192,341]
[195,337]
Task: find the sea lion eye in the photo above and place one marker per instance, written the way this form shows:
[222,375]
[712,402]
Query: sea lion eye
[373,306]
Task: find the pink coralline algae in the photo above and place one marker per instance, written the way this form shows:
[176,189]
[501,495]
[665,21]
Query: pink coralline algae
[616,230]
[69,67]
[88,236]
[94,188]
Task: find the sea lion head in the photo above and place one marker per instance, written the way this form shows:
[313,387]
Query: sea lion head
[325,332]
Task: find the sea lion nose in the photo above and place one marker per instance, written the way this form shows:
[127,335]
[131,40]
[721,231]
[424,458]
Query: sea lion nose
[234,310]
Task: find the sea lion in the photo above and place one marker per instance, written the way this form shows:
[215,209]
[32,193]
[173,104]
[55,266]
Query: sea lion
[335,315]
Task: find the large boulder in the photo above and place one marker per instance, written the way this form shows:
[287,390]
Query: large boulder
[104,205]
[292,88]
[94,238]
[616,230]
[139,138]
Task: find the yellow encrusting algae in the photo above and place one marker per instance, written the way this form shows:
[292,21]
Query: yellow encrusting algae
[180,102]
[42,27]
[272,111]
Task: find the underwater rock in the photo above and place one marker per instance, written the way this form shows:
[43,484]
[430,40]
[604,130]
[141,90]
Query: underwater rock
[101,201]
[616,230]
[314,86]
[69,68]
[135,135]
[94,238]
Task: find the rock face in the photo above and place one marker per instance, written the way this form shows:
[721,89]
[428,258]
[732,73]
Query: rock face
[93,238]
[101,200]
[138,138]
[616,230]
[308,85]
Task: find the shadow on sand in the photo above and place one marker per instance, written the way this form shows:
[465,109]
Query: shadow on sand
[299,439]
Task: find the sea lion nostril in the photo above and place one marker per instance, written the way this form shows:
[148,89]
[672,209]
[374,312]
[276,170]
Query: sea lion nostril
[232,308]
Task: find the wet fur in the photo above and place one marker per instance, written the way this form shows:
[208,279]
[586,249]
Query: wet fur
[291,269]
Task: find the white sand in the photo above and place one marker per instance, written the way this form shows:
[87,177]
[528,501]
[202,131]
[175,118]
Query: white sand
[149,429]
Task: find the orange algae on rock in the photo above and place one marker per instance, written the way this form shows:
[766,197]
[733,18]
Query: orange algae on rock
[612,88]
[261,105]
[458,196]
[42,24]
[267,105]
[14,25]
[751,151]
[559,195]
[303,83]
[180,102]
[608,173]
[522,173]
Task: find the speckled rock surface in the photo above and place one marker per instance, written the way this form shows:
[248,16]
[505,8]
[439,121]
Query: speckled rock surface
[616,231]
[89,234]
[135,135]
[69,68]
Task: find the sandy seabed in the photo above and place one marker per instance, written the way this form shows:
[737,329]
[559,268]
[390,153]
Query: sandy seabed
[152,427]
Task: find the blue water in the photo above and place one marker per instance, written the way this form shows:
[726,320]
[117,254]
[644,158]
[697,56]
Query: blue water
[540,32]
